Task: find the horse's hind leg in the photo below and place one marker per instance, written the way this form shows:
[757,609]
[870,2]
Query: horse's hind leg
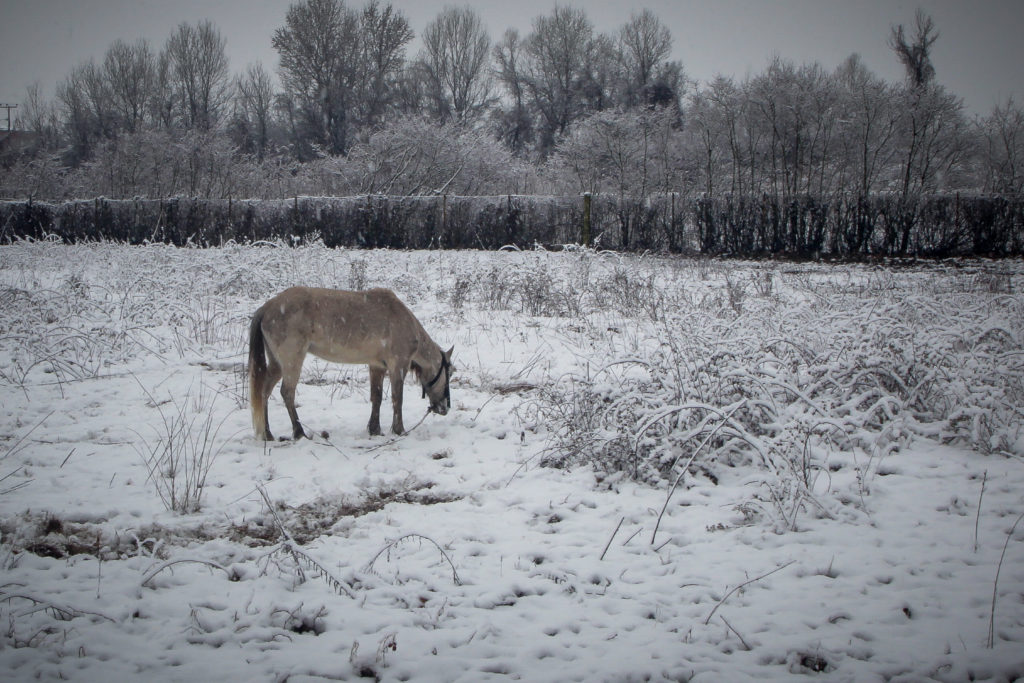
[376,395]
[271,379]
[289,379]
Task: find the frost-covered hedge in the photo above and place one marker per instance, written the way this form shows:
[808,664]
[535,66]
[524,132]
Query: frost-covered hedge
[365,221]
[852,226]
[803,226]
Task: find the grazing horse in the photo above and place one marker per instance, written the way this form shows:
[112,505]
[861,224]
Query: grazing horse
[372,327]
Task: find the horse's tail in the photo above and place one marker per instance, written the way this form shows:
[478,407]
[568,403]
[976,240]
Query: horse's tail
[257,375]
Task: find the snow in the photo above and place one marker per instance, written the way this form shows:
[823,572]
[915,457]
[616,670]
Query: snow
[454,552]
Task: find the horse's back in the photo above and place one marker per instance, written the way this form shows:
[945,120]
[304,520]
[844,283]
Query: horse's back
[370,326]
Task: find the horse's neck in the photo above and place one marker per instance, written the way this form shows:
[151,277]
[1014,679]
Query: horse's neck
[428,353]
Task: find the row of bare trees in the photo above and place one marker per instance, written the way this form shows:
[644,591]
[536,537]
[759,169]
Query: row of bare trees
[186,85]
[562,109]
[345,72]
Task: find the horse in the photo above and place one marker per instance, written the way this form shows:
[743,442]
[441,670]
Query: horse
[372,327]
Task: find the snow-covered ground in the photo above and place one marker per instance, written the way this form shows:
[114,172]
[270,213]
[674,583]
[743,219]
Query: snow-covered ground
[654,469]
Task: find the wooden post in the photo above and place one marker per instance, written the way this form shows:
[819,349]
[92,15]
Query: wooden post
[586,219]
[673,244]
[956,218]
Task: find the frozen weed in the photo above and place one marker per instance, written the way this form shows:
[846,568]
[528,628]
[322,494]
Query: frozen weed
[13,450]
[763,282]
[541,295]
[357,279]
[736,292]
[186,445]
[300,619]
[632,293]
[391,548]
[206,321]
[460,292]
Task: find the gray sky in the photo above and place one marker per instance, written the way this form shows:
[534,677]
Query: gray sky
[979,55]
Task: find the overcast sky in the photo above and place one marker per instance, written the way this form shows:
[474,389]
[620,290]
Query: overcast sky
[979,55]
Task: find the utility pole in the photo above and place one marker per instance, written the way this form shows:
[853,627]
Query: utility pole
[8,107]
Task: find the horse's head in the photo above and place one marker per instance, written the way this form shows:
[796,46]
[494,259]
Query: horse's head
[437,388]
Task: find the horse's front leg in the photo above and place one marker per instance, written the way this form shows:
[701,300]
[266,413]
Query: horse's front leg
[397,384]
[376,394]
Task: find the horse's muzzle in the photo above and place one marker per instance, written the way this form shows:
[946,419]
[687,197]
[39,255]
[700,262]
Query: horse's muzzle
[440,409]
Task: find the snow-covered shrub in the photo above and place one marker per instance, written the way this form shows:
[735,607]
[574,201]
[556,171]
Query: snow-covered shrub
[781,382]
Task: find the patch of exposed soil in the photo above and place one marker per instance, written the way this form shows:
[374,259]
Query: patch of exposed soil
[48,535]
[311,520]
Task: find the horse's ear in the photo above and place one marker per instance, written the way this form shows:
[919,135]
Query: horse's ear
[449,352]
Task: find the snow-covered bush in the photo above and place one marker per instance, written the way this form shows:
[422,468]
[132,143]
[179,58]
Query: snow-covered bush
[780,381]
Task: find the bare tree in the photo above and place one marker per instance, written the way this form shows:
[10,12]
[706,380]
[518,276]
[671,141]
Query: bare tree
[933,139]
[77,119]
[456,52]
[40,116]
[645,43]
[254,102]
[130,70]
[797,106]
[88,115]
[198,74]
[644,46]
[557,67]
[414,156]
[162,100]
[319,58]
[603,75]
[384,32]
[932,128]
[1003,159]
[870,118]
[514,124]
[713,127]
[623,152]
[916,55]
[410,94]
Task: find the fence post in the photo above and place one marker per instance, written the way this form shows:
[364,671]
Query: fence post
[672,241]
[956,220]
[586,219]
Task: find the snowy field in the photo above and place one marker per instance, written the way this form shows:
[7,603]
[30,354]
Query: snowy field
[653,469]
